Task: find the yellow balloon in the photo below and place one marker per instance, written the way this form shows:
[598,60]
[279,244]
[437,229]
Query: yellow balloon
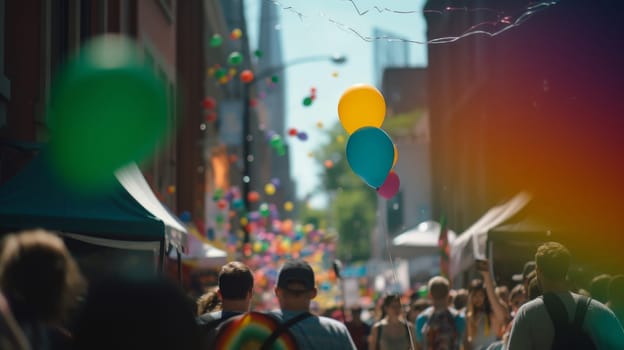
[361,105]
[340,139]
[289,206]
[269,189]
[396,155]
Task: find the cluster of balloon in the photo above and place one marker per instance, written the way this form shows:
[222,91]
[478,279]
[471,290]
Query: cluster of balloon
[370,151]
[301,135]
[210,104]
[106,109]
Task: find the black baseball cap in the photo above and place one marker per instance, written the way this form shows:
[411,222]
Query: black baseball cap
[297,271]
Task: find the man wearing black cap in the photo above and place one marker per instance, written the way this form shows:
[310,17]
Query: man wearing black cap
[295,290]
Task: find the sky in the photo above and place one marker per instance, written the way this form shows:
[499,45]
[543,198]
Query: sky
[309,28]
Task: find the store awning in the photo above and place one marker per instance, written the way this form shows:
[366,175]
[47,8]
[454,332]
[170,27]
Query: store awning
[127,215]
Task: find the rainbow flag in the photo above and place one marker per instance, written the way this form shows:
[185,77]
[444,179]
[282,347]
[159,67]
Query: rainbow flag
[445,249]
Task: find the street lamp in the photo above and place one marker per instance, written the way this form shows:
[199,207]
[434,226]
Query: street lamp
[248,138]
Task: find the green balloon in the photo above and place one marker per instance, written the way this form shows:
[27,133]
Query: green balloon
[307,101]
[275,79]
[235,58]
[106,109]
[276,141]
[264,210]
[258,53]
[216,40]
[221,72]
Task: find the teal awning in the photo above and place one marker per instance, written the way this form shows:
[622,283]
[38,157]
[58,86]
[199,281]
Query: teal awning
[127,211]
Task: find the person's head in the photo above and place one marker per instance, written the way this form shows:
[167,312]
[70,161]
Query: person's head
[517,297]
[416,308]
[599,288]
[552,262]
[295,285]
[502,292]
[534,289]
[208,302]
[356,313]
[391,306]
[37,270]
[438,289]
[477,297]
[616,290]
[235,281]
[461,299]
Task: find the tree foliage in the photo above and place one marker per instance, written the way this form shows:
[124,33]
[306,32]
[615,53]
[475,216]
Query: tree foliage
[352,203]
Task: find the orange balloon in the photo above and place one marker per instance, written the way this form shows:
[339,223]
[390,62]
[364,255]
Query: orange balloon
[361,105]
[246,76]
[396,156]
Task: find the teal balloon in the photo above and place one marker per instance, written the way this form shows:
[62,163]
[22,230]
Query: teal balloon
[106,109]
[370,153]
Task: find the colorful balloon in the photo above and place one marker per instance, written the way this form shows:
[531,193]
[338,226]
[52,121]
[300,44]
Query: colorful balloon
[235,58]
[391,186]
[216,40]
[307,101]
[236,34]
[289,206]
[107,109]
[246,76]
[370,152]
[361,105]
[269,189]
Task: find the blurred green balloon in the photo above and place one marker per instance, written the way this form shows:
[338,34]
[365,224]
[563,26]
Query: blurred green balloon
[264,210]
[258,53]
[276,141]
[235,58]
[216,40]
[221,72]
[106,109]
[307,101]
[275,79]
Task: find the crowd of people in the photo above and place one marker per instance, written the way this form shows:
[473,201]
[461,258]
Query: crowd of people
[45,303]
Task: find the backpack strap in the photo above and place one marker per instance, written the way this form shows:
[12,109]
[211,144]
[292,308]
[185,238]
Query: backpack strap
[581,309]
[282,328]
[557,312]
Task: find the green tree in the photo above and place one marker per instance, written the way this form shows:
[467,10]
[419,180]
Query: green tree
[352,205]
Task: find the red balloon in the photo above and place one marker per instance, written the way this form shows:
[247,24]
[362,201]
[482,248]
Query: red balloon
[292,132]
[253,196]
[211,117]
[209,103]
[390,187]
[246,76]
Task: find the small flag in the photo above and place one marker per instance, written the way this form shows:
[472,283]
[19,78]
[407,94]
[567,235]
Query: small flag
[443,245]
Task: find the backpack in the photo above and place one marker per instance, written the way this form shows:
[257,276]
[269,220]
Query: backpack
[209,330]
[440,331]
[259,330]
[568,335]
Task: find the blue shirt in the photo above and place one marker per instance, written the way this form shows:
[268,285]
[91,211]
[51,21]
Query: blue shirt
[423,318]
[316,332]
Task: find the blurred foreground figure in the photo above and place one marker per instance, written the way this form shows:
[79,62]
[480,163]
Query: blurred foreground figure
[41,283]
[137,314]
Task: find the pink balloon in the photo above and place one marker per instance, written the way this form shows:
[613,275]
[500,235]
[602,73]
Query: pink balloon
[390,187]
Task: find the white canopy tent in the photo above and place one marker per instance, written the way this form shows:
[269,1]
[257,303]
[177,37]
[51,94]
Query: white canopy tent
[200,252]
[471,244]
[421,240]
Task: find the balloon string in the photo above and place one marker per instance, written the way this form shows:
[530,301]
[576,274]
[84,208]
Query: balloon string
[386,234]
